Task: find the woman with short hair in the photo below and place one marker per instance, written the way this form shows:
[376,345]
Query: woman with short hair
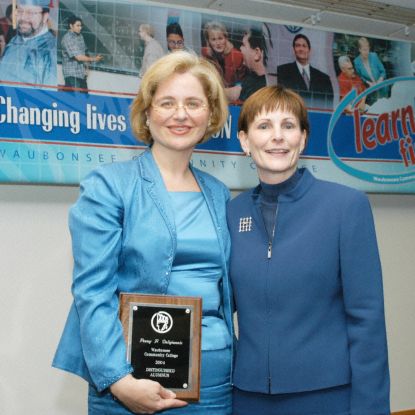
[306,276]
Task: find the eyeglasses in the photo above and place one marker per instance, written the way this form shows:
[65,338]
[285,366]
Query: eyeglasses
[168,108]
[175,42]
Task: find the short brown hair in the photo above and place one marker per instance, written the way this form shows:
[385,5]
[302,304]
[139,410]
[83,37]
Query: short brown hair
[270,98]
[179,63]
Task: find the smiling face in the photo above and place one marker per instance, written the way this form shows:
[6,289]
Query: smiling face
[275,141]
[178,130]
[217,40]
[30,20]
[175,42]
[301,51]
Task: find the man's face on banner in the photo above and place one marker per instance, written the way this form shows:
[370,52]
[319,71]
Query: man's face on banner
[30,20]
[247,52]
[301,51]
[76,27]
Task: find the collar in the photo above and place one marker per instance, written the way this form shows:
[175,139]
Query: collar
[41,33]
[305,67]
[292,193]
[270,192]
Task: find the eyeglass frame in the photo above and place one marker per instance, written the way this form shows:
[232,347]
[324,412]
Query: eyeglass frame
[176,107]
[176,42]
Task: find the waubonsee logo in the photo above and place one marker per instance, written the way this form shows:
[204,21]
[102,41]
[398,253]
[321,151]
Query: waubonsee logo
[293,29]
[161,322]
[388,126]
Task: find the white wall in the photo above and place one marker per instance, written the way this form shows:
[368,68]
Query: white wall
[35,278]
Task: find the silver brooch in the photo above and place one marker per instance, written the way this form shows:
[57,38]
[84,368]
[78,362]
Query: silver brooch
[245,224]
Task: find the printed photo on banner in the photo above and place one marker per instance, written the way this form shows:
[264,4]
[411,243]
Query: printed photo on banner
[28,42]
[305,65]
[69,70]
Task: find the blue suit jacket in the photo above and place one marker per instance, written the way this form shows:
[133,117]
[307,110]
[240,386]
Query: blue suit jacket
[311,316]
[124,240]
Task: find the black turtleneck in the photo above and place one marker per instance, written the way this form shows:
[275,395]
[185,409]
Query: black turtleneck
[268,196]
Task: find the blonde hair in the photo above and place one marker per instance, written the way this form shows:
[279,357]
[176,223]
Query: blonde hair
[145,27]
[217,27]
[179,62]
[363,41]
[214,27]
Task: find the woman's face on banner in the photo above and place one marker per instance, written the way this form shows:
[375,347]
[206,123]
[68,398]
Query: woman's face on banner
[364,50]
[217,40]
[275,141]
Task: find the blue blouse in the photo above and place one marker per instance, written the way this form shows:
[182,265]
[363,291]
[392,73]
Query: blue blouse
[195,271]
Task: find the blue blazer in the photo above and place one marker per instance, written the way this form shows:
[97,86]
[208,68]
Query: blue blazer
[311,316]
[376,66]
[124,240]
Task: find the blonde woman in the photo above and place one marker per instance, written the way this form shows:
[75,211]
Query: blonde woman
[219,50]
[153,225]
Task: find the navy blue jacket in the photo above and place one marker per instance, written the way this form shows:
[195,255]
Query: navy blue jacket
[310,316]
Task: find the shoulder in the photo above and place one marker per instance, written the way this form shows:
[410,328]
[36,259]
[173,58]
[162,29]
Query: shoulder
[210,181]
[373,56]
[114,177]
[47,40]
[206,52]
[243,199]
[235,54]
[342,77]
[319,73]
[337,194]
[286,66]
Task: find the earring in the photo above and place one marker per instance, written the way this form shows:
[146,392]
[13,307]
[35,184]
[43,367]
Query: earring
[147,123]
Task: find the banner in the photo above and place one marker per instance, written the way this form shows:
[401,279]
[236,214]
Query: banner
[61,117]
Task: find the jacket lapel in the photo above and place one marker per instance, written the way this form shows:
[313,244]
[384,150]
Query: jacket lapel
[155,187]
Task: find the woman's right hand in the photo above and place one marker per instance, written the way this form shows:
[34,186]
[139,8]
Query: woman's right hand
[143,396]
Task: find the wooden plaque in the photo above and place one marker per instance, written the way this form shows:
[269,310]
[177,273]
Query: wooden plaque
[163,338]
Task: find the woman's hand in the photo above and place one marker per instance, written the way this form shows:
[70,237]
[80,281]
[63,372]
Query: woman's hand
[143,396]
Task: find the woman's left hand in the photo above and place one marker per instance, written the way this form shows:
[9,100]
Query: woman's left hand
[143,396]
